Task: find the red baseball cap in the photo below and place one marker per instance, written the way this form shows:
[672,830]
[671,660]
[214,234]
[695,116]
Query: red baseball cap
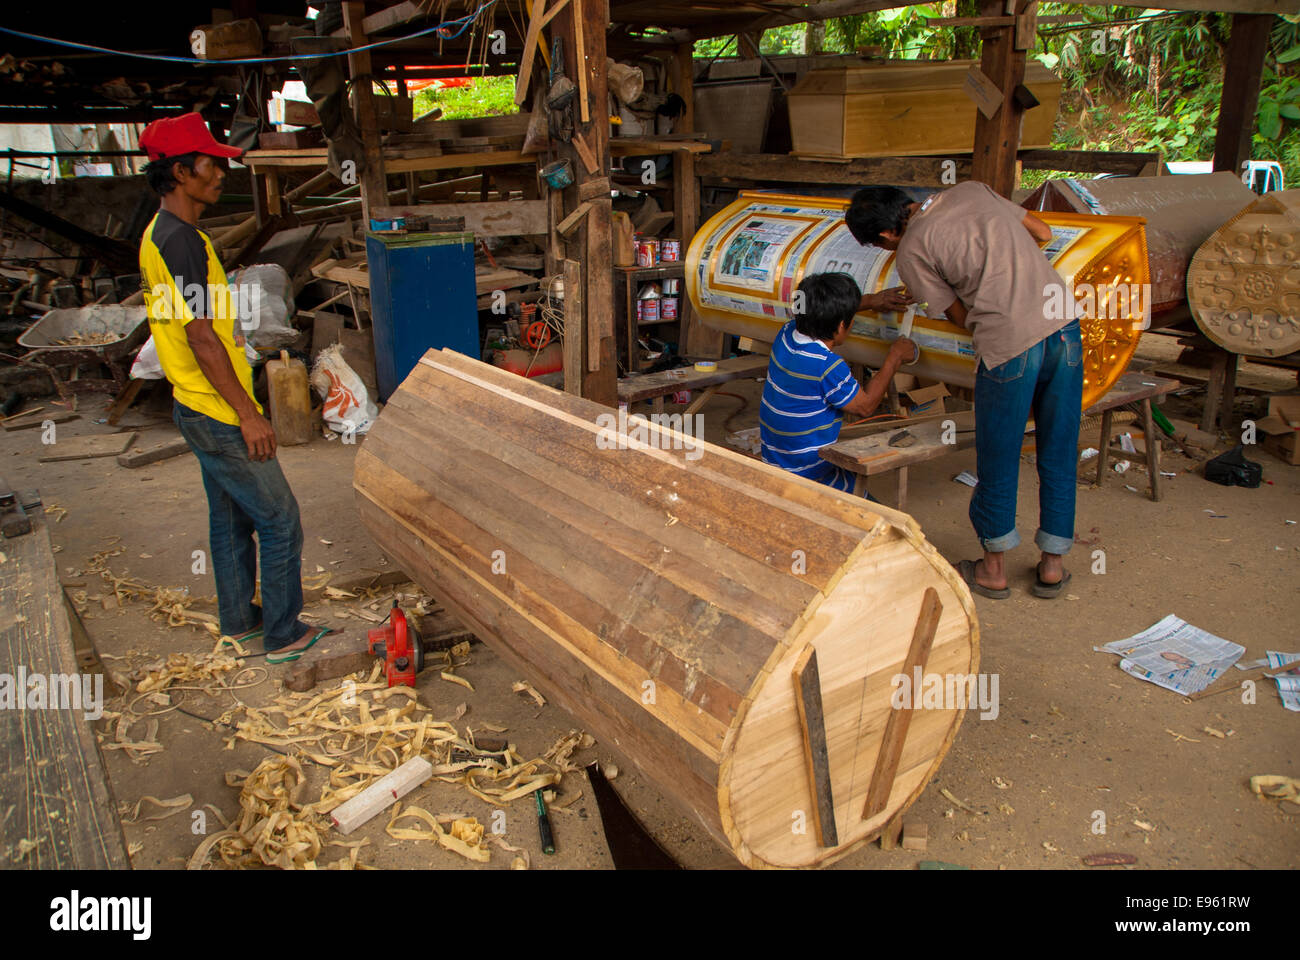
[187,133]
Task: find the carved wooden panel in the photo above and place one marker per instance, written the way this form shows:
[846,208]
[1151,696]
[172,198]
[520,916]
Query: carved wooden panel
[1243,284]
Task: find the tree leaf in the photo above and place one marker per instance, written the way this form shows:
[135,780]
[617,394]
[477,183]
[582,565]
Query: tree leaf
[1289,55]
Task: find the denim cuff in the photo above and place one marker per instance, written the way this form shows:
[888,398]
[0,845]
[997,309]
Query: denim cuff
[1050,543]
[1008,541]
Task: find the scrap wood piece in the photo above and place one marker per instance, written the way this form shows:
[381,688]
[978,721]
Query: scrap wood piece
[585,153]
[812,724]
[89,448]
[27,419]
[570,223]
[159,451]
[530,41]
[377,796]
[580,66]
[1108,859]
[1276,787]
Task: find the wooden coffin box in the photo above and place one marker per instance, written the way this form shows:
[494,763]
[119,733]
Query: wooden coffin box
[917,108]
[739,633]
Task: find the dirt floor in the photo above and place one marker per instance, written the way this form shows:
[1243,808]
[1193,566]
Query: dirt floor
[1075,739]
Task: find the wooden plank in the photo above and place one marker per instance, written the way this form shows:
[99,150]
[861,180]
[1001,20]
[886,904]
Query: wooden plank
[374,183]
[37,419]
[381,794]
[580,65]
[89,448]
[1243,72]
[896,727]
[574,220]
[780,168]
[597,189]
[530,42]
[585,153]
[573,326]
[491,218]
[159,451]
[916,834]
[550,14]
[812,725]
[647,386]
[1087,161]
[56,791]
[891,834]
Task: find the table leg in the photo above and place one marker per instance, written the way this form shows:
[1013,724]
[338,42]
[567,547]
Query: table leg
[657,404]
[1104,445]
[900,485]
[1214,389]
[1152,438]
[700,400]
[859,485]
[1229,389]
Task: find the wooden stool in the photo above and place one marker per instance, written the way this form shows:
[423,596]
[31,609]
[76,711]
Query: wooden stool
[1132,387]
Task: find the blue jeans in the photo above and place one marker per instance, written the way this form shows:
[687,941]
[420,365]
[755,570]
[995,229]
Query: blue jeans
[246,496]
[1047,380]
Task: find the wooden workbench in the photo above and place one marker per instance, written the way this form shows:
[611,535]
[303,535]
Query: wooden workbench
[655,386]
[54,791]
[872,455]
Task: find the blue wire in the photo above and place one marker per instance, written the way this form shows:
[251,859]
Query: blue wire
[443,30]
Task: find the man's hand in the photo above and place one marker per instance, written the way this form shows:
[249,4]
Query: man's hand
[892,299]
[904,350]
[259,436]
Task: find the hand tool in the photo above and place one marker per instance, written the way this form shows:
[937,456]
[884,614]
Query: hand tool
[399,644]
[544,822]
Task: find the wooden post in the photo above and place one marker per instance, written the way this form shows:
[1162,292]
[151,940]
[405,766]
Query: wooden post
[1243,70]
[696,339]
[997,138]
[374,185]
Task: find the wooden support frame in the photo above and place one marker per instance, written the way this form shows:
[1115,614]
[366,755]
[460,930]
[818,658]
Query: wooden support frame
[1243,71]
[997,137]
[812,726]
[374,182]
[895,736]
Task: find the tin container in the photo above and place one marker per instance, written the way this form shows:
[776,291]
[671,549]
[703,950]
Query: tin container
[670,251]
[645,254]
[668,308]
[672,287]
[648,310]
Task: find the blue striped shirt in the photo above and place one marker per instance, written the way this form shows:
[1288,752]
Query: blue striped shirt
[806,383]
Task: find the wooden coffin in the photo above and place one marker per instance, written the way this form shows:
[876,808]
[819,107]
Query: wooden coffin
[1243,285]
[671,600]
[905,109]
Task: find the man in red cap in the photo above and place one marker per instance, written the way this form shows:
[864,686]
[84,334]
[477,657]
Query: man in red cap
[192,316]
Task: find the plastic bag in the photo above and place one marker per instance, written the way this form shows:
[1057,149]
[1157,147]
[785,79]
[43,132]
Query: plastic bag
[348,407]
[146,365]
[1232,469]
[263,296]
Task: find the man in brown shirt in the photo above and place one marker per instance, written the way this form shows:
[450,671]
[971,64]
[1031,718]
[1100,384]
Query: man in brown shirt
[974,256]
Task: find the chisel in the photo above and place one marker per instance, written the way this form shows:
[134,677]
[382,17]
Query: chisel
[544,823]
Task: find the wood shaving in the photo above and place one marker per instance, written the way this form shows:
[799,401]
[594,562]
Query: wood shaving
[452,678]
[465,836]
[523,686]
[1143,825]
[1178,736]
[952,799]
[173,806]
[1212,732]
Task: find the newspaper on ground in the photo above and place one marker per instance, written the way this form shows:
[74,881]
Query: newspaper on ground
[1288,688]
[1175,655]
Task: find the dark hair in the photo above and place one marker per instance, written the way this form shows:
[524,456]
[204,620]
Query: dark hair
[829,299]
[874,209]
[158,173]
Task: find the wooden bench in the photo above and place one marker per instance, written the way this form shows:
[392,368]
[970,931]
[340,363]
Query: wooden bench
[1138,388]
[655,386]
[54,791]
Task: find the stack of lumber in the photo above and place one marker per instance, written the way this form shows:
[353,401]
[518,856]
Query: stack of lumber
[732,629]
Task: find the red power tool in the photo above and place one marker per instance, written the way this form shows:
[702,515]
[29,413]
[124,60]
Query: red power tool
[399,644]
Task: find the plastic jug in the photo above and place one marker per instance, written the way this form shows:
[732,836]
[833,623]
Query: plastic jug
[286,383]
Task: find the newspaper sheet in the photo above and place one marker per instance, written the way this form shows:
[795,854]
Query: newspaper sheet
[1288,688]
[1176,655]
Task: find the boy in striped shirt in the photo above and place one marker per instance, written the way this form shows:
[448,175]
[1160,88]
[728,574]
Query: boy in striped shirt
[808,386]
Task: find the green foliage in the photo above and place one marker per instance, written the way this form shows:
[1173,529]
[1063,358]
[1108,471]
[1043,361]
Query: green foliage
[483,97]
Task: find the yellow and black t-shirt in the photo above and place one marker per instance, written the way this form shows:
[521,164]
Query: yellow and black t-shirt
[183,279]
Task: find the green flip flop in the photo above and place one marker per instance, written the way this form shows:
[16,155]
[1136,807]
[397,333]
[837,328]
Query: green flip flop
[228,641]
[285,656]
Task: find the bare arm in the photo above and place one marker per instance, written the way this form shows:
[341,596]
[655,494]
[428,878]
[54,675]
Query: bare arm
[867,399]
[957,313]
[214,362]
[1037,229]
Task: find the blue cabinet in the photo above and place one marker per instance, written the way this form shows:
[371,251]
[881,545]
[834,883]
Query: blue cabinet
[422,296]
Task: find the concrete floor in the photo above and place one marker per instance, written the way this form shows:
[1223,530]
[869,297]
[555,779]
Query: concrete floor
[1074,735]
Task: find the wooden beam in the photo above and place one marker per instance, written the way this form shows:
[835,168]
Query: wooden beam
[580,65]
[526,61]
[374,184]
[780,168]
[1279,7]
[1243,71]
[997,137]
[895,735]
[492,218]
[573,290]
[114,253]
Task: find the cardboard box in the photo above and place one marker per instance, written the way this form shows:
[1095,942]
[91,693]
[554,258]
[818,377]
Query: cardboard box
[1281,429]
[927,400]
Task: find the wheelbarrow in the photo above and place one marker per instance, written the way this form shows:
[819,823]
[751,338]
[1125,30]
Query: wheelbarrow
[107,334]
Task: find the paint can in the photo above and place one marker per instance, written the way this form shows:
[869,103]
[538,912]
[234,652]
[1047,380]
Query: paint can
[668,308]
[670,251]
[645,254]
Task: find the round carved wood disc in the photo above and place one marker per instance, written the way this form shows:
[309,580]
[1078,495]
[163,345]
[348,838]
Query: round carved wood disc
[1243,284]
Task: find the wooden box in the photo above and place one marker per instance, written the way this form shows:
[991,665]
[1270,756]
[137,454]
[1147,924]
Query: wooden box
[916,108]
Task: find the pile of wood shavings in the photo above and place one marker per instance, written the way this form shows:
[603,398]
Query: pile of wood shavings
[184,668]
[353,732]
[87,339]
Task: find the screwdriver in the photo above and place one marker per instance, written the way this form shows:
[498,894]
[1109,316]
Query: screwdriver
[544,823]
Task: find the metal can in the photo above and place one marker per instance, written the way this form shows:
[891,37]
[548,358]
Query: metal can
[670,251]
[672,286]
[668,308]
[645,253]
[648,310]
